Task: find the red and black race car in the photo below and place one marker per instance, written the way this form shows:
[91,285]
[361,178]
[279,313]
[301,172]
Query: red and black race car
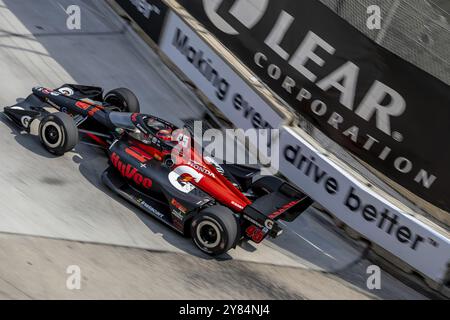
[218,205]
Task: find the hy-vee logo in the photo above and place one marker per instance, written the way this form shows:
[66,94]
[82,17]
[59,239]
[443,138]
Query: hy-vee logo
[380,102]
[130,172]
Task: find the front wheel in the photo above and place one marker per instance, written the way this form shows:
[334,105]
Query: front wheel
[58,133]
[215,230]
[123,99]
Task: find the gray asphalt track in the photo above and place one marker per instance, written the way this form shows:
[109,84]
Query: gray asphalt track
[63,197]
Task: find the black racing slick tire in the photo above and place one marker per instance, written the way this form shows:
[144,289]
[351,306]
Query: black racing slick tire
[266,185]
[124,99]
[58,133]
[215,230]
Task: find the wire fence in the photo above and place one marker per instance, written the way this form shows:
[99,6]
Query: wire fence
[416,30]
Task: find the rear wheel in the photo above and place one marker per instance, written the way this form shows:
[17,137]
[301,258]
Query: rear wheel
[123,99]
[266,185]
[215,230]
[58,133]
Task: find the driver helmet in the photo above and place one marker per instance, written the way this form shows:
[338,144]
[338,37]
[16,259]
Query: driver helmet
[164,134]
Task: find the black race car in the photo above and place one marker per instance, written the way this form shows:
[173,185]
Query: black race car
[218,205]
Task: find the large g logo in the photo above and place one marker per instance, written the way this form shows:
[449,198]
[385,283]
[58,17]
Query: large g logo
[180,170]
[248,12]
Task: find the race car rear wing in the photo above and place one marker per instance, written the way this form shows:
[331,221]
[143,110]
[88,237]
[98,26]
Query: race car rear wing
[285,203]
